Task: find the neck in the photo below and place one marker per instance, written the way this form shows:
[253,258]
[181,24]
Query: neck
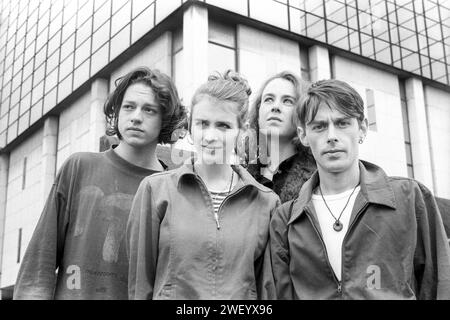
[286,149]
[334,183]
[215,176]
[142,157]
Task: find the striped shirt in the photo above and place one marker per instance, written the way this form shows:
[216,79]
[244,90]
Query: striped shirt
[217,199]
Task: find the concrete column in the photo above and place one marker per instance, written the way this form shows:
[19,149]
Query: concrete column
[420,143]
[319,63]
[97,125]
[49,151]
[4,169]
[195,50]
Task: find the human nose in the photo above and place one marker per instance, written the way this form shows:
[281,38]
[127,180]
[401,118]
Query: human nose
[332,136]
[276,107]
[209,135]
[136,116]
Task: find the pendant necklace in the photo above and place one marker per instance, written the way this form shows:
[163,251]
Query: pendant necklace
[337,225]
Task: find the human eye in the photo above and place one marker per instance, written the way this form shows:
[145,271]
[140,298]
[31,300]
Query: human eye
[268,100]
[150,110]
[343,123]
[224,126]
[317,127]
[127,106]
[288,101]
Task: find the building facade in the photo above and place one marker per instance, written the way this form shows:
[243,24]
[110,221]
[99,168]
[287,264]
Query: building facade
[59,59]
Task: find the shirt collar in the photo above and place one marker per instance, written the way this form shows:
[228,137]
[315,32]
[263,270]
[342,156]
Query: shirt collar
[374,184]
[245,178]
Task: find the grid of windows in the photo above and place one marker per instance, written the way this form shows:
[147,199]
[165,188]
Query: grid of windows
[413,35]
[49,48]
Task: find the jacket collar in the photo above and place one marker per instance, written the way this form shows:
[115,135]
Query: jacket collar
[374,184]
[245,178]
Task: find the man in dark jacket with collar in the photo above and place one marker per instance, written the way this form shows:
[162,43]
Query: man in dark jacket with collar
[354,232]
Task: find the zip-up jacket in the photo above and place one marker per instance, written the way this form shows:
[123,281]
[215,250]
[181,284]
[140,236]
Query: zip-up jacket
[178,249]
[395,247]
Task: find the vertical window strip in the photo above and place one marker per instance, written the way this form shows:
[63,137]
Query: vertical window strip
[406,130]
[19,245]
[371,114]
[24,173]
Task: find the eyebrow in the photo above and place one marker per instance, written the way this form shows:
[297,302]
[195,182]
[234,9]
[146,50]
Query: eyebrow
[325,121]
[145,104]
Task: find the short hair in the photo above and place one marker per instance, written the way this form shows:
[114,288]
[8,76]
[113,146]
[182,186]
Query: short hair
[335,94]
[300,87]
[227,86]
[173,112]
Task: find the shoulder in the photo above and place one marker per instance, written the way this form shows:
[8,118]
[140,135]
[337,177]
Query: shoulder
[408,185]
[159,179]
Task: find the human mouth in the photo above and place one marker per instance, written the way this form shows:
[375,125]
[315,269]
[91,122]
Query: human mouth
[273,118]
[135,129]
[333,152]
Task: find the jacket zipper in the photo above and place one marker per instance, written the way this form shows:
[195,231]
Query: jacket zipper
[338,283]
[216,215]
[345,237]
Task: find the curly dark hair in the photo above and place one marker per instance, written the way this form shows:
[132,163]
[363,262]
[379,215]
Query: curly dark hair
[174,119]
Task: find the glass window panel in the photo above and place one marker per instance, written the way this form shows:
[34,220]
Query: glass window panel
[99,59]
[64,88]
[120,42]
[270,12]
[139,6]
[426,69]
[41,40]
[39,58]
[84,32]
[37,93]
[354,42]
[21,32]
[26,85]
[410,43]
[52,61]
[100,36]
[117,4]
[84,13]
[17,80]
[68,47]
[315,27]
[352,18]
[35,112]
[25,103]
[121,18]
[220,58]
[314,7]
[336,12]
[49,101]
[23,122]
[408,153]
[81,74]
[15,96]
[30,38]
[13,114]
[222,34]
[51,80]
[57,7]
[411,62]
[54,43]
[18,63]
[55,25]
[66,66]
[164,8]
[3,123]
[434,30]
[405,33]
[380,29]
[43,22]
[337,35]
[70,10]
[438,69]
[365,22]
[420,20]
[99,3]
[143,23]
[69,28]
[437,51]
[367,46]
[82,52]
[12,132]
[404,15]
[102,15]
[384,55]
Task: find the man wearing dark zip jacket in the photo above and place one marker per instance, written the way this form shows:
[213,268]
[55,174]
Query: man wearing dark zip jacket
[354,232]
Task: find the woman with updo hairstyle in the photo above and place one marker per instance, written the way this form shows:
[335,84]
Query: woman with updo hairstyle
[280,162]
[200,231]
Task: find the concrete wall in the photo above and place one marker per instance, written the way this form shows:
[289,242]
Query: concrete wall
[438,111]
[384,147]
[73,132]
[23,207]
[261,55]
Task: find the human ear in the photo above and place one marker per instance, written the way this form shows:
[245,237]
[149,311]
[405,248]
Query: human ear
[301,133]
[363,127]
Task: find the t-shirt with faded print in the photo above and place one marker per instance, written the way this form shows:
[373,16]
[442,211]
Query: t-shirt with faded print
[81,232]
